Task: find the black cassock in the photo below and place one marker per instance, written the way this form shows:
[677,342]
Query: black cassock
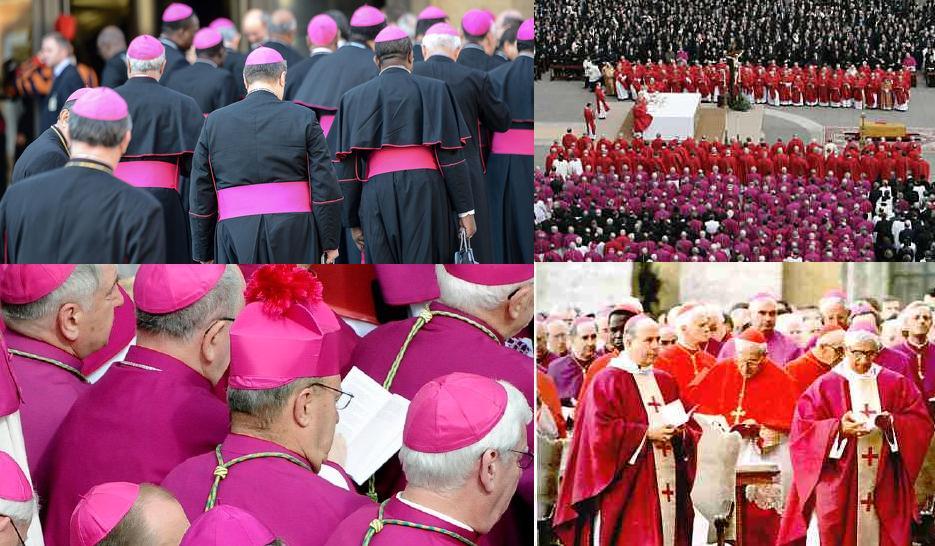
[321,90]
[114,73]
[263,186]
[210,86]
[474,56]
[234,62]
[45,153]
[175,59]
[478,104]
[509,170]
[166,126]
[295,75]
[80,213]
[399,140]
[289,53]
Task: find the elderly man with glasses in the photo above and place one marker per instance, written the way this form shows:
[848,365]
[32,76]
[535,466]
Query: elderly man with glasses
[827,352]
[858,440]
[283,393]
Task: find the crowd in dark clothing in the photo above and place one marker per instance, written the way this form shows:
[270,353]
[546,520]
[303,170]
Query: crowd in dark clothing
[832,32]
[904,216]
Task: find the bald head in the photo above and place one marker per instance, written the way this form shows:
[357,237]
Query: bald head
[255,27]
[110,41]
[282,26]
[156,519]
[642,340]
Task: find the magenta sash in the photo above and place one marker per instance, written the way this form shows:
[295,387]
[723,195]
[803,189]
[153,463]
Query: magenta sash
[406,158]
[148,174]
[513,142]
[270,198]
[325,120]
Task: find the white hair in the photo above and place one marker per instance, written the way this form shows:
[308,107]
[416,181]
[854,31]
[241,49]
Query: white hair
[785,320]
[78,288]
[904,314]
[855,337]
[434,43]
[151,65]
[686,316]
[742,346]
[761,300]
[21,512]
[450,470]
[825,304]
[470,297]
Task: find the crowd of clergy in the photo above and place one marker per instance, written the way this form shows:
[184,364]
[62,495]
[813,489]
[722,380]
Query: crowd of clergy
[810,85]
[385,145]
[685,200]
[197,405]
[838,397]
[904,216]
[816,32]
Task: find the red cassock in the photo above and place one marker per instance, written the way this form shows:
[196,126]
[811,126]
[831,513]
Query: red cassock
[612,424]
[641,118]
[683,365]
[804,370]
[769,396]
[829,486]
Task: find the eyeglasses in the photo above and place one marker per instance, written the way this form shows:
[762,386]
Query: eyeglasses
[344,398]
[524,460]
[217,320]
[865,354]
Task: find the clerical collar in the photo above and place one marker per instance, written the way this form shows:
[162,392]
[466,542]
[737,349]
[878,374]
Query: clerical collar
[843,369]
[686,349]
[502,55]
[396,66]
[89,163]
[169,43]
[625,363]
[433,513]
[206,61]
[61,138]
[357,44]
[529,54]
[916,347]
[472,45]
[319,50]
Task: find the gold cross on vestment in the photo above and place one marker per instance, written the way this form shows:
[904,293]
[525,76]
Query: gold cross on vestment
[738,413]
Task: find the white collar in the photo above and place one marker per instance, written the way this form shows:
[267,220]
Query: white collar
[169,43]
[60,67]
[529,54]
[625,363]
[318,50]
[396,66]
[433,513]
[845,371]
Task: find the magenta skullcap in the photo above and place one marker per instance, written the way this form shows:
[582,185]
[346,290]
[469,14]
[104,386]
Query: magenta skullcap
[100,510]
[321,30]
[391,34]
[207,38]
[432,12]
[145,48]
[527,31]
[222,22]
[263,55]
[14,486]
[491,275]
[367,16]
[176,11]
[476,22]
[453,411]
[161,289]
[441,28]
[21,284]
[102,104]
[227,525]
[77,94]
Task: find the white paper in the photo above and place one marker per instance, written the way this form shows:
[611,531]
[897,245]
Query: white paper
[673,413]
[372,424]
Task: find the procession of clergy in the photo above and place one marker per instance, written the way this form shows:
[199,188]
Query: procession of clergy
[375,149]
[222,412]
[840,406]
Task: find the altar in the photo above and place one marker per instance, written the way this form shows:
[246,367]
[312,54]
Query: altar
[675,115]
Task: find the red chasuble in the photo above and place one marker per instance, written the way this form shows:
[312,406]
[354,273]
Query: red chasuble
[828,486]
[768,397]
[600,479]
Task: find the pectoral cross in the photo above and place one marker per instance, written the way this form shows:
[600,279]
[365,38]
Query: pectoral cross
[738,413]
[869,456]
[868,502]
[668,493]
[866,411]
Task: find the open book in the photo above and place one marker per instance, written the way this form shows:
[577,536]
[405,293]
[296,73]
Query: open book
[372,425]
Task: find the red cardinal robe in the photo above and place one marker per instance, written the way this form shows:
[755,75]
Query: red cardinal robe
[828,486]
[684,365]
